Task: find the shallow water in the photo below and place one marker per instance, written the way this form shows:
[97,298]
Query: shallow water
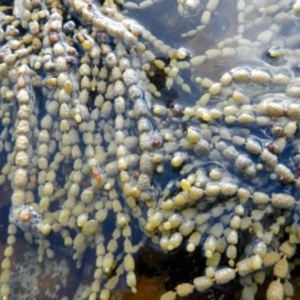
[254,107]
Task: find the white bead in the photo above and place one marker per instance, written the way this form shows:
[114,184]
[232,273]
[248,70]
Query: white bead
[275,291]
[202,283]
[224,275]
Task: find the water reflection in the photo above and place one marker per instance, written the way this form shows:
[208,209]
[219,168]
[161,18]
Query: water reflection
[149,163]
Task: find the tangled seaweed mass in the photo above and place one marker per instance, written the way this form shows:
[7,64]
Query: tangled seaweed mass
[113,137]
